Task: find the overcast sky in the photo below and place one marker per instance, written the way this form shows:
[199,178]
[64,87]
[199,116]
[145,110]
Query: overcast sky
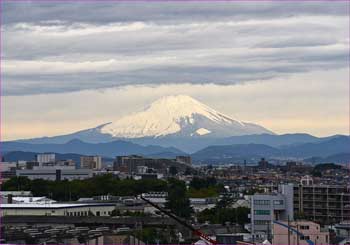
[71,66]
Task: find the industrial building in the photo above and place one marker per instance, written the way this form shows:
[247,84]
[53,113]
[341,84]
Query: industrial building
[57,209]
[52,173]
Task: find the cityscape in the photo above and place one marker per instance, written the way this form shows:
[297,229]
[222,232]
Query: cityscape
[175,122]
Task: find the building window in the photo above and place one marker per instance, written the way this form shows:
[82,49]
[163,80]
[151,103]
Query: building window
[304,238]
[278,202]
[262,212]
[261,222]
[304,227]
[261,202]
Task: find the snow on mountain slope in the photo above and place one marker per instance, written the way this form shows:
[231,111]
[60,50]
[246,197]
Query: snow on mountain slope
[179,115]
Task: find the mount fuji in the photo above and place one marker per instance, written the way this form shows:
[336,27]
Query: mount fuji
[179,116]
[169,126]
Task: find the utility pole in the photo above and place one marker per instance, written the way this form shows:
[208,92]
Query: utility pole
[288,231]
[297,233]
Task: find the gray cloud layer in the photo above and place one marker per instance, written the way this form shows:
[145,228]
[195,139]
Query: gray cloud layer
[63,47]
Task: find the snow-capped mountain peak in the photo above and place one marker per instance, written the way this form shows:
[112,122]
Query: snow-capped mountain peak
[179,115]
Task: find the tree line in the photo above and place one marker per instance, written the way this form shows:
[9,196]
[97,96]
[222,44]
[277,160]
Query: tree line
[65,190]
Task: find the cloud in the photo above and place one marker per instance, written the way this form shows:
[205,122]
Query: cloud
[60,56]
[31,11]
[65,47]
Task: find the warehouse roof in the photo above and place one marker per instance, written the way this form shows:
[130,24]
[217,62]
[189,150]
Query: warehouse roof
[52,205]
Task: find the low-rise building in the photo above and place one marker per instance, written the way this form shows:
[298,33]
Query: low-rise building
[31,200]
[58,209]
[299,233]
[55,173]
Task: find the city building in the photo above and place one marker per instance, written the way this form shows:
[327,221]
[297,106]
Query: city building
[52,173]
[184,159]
[299,233]
[325,204]
[58,209]
[132,164]
[31,164]
[91,162]
[45,158]
[32,200]
[8,169]
[263,164]
[7,196]
[268,207]
[298,167]
[147,176]
[306,180]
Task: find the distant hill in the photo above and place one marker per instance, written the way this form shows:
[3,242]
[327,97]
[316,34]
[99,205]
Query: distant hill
[337,158]
[336,145]
[15,156]
[110,149]
[221,152]
[193,144]
[335,149]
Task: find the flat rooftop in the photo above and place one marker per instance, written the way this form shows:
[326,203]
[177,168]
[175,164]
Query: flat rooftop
[52,205]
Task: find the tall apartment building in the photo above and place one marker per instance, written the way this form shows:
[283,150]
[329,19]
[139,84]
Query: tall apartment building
[91,162]
[45,158]
[325,204]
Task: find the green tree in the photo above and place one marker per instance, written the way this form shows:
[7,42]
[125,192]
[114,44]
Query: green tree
[177,200]
[65,190]
[222,215]
[173,170]
[200,183]
[17,184]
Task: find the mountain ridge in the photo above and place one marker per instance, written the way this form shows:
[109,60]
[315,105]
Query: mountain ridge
[316,152]
[77,146]
[337,148]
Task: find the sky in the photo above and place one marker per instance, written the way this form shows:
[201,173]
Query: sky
[70,66]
